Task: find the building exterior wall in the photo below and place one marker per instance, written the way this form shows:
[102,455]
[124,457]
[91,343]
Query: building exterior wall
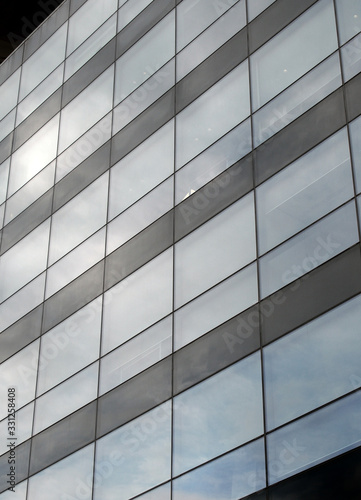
[180,272]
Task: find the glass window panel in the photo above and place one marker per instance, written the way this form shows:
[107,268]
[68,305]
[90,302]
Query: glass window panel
[20,492]
[34,155]
[9,93]
[255,7]
[348,18]
[282,60]
[137,455]
[218,414]
[300,370]
[315,438]
[230,477]
[144,58]
[138,301]
[70,477]
[161,493]
[66,398]
[209,41]
[134,356]
[43,61]
[19,371]
[7,124]
[130,10]
[351,58]
[87,19]
[355,136]
[298,98]
[86,109]
[149,163]
[24,261]
[215,250]
[311,248]
[89,48]
[2,210]
[69,346]
[23,427]
[193,16]
[75,263]
[140,215]
[300,194]
[79,218]
[211,115]
[215,306]
[4,174]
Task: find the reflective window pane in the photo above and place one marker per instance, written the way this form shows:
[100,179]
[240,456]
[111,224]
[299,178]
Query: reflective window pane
[348,18]
[4,174]
[9,93]
[255,7]
[355,136]
[23,428]
[351,58]
[7,124]
[20,492]
[218,414]
[130,10]
[161,493]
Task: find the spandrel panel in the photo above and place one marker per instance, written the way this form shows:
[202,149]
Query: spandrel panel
[144,58]
[215,306]
[351,58]
[255,7]
[210,116]
[43,61]
[130,10]
[300,372]
[72,475]
[34,155]
[142,169]
[311,248]
[4,174]
[348,19]
[79,218]
[228,410]
[7,124]
[9,93]
[86,109]
[23,427]
[230,477]
[193,16]
[355,136]
[87,19]
[315,438]
[24,261]
[303,192]
[215,250]
[282,60]
[19,372]
[69,346]
[138,301]
[136,355]
[139,454]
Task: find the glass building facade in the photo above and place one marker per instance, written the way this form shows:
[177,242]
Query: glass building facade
[180,267]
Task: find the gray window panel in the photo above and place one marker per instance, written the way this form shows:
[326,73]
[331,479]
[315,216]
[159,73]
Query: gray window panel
[274,20]
[20,492]
[23,427]
[36,120]
[71,476]
[20,334]
[4,176]
[351,58]
[139,454]
[355,136]
[89,72]
[134,397]
[75,5]
[230,477]
[5,147]
[7,124]
[315,438]
[352,94]
[148,18]
[130,10]
[73,297]
[301,135]
[9,92]
[161,493]
[143,126]
[2,210]
[22,465]
[62,439]
[11,64]
[323,288]
[359,209]
[255,7]
[82,176]
[226,58]
[139,250]
[228,407]
[348,18]
[221,347]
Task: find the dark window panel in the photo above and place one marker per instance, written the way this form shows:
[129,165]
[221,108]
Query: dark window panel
[274,19]
[138,395]
[12,63]
[21,333]
[148,18]
[214,197]
[28,220]
[146,245]
[87,73]
[69,435]
[211,70]
[301,135]
[22,454]
[5,147]
[81,176]
[352,97]
[37,119]
[74,296]
[216,350]
[143,126]
[318,291]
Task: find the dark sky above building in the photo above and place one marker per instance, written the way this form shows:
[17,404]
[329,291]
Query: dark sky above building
[19,19]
